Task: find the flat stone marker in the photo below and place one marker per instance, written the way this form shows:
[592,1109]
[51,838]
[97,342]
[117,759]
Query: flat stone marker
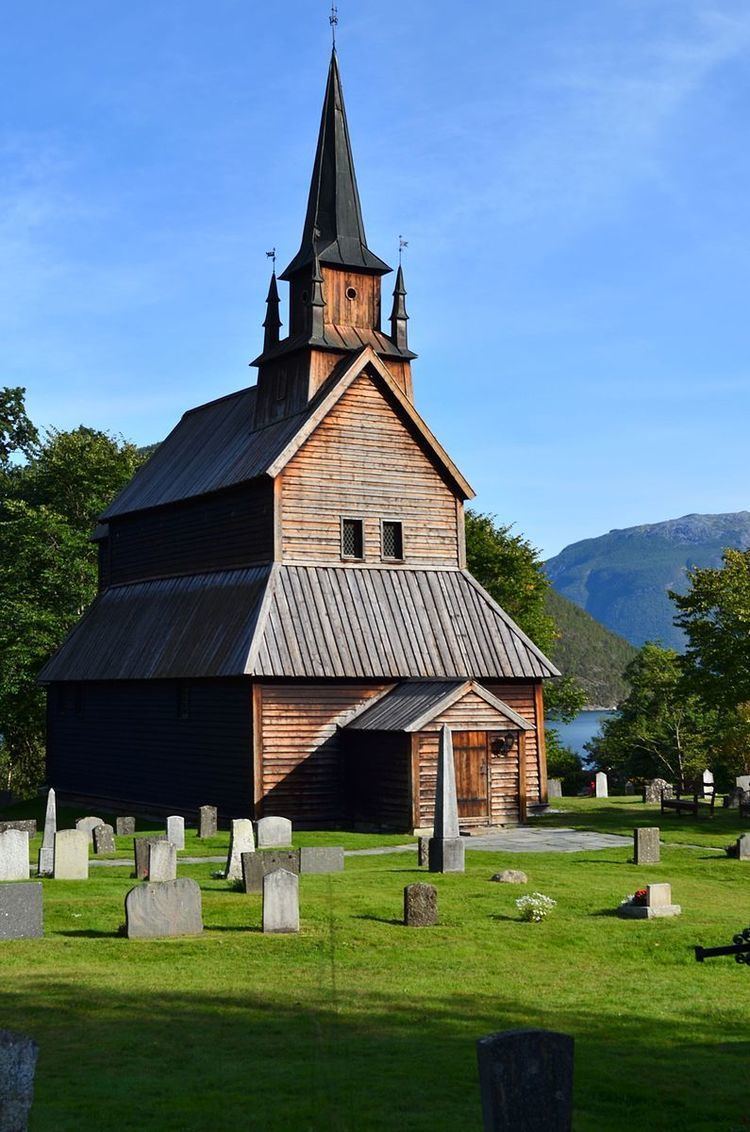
[71,860]
[169,908]
[18,1056]
[14,855]
[125,827]
[321,859]
[554,788]
[176,831]
[162,861]
[208,821]
[141,852]
[280,902]
[526,1081]
[256,865]
[600,785]
[241,840]
[21,915]
[646,848]
[274,832]
[423,851]
[47,851]
[420,906]
[743,847]
[104,839]
[88,825]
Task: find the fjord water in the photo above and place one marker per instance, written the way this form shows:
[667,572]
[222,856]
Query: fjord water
[583,728]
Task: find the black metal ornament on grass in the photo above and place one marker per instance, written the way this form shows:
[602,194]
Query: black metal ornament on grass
[739,948]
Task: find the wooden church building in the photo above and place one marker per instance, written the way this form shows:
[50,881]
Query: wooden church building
[285,619]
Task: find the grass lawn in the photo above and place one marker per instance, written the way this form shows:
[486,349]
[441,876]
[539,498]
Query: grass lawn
[360,1023]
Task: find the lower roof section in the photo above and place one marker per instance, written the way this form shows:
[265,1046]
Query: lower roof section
[289,621]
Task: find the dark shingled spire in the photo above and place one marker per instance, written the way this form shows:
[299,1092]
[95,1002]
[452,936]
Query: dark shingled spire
[399,317]
[333,206]
[272,321]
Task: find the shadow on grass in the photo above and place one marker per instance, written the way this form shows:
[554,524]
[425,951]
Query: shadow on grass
[220,928]
[377,919]
[89,933]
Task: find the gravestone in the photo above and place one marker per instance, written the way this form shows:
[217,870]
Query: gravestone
[125,827]
[420,905]
[735,796]
[21,914]
[511,876]
[274,832]
[141,852]
[104,839]
[526,1081]
[22,825]
[653,790]
[47,851]
[646,848]
[321,859]
[708,783]
[71,859]
[18,1056]
[158,910]
[423,851]
[446,848]
[88,825]
[743,781]
[208,823]
[280,902]
[162,861]
[241,841]
[257,865]
[176,831]
[600,787]
[554,788]
[14,855]
[658,905]
[743,847]
[629,788]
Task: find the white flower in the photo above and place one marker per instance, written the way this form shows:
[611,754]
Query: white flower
[535,907]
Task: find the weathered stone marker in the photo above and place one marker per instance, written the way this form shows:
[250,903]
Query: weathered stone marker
[446,848]
[554,788]
[274,832]
[280,902]
[743,847]
[742,781]
[171,908]
[658,905]
[14,855]
[18,1056]
[176,831]
[21,915]
[71,859]
[47,851]
[646,848]
[256,865]
[88,825]
[321,859]
[241,840]
[125,827]
[526,1081]
[208,821]
[104,839]
[423,851]
[162,861]
[141,852]
[420,906]
[653,790]
[708,783]
[25,825]
[600,785]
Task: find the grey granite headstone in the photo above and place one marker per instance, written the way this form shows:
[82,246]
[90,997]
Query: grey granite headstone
[208,823]
[71,860]
[241,840]
[420,905]
[646,849]
[256,865]
[447,855]
[658,905]
[125,827]
[162,861]
[47,851]
[14,855]
[168,908]
[141,851]
[321,859]
[18,1056]
[21,912]
[735,797]
[274,832]
[600,785]
[24,825]
[280,901]
[423,851]
[88,825]
[526,1081]
[554,788]
[653,790]
[176,831]
[743,847]
[446,848]
[104,839]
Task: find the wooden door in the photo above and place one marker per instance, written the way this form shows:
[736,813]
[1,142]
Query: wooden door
[470,755]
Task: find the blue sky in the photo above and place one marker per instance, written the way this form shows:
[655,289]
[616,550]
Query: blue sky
[573,180]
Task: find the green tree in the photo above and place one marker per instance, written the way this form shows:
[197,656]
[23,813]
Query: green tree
[17,433]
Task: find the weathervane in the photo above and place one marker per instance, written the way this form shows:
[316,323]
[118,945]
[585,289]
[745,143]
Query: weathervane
[402,243]
[272,256]
[333,20]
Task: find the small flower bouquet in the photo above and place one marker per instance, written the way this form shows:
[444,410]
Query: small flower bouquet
[535,907]
[638,898]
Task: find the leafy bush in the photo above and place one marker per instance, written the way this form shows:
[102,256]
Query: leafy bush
[535,907]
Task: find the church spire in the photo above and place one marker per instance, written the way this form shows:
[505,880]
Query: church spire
[399,317]
[272,321]
[333,206]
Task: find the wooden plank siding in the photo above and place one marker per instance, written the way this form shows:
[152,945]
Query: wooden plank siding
[528,700]
[362,461]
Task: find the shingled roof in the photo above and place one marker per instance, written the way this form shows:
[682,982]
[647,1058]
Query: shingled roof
[410,706]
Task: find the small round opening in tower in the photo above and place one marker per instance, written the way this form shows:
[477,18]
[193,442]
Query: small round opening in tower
[351,293]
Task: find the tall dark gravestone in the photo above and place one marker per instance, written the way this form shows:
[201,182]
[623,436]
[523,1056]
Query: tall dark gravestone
[526,1081]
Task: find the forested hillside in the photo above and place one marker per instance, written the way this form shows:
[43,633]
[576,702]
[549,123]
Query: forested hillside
[588,651]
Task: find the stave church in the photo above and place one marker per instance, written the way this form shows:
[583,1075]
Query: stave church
[285,620]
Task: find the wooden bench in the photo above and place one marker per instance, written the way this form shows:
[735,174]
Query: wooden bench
[690,803]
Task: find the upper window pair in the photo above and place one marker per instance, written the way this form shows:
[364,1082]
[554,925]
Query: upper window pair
[391,539]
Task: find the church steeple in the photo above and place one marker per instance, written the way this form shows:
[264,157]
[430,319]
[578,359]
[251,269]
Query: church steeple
[272,321]
[399,317]
[333,224]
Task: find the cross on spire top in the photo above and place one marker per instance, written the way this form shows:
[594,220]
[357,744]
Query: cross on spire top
[333,20]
